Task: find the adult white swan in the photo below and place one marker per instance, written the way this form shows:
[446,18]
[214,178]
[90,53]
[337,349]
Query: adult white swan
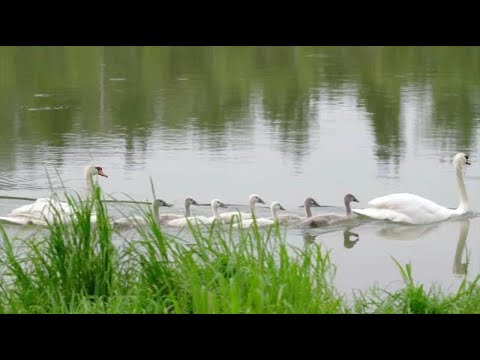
[263,222]
[136,220]
[413,209]
[228,217]
[215,204]
[331,218]
[45,210]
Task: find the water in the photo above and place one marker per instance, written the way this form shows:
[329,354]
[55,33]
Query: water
[282,122]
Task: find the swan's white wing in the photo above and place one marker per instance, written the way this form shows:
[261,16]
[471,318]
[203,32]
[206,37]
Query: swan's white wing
[262,222]
[129,221]
[184,221]
[233,216]
[43,208]
[384,214]
[169,217]
[407,208]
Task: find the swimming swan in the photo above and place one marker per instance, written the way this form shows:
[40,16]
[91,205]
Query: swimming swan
[328,219]
[413,209]
[253,199]
[293,218]
[45,210]
[262,222]
[215,204]
[168,217]
[139,220]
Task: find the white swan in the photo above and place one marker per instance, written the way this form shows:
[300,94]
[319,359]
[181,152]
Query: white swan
[140,220]
[45,210]
[229,217]
[413,209]
[293,218]
[215,204]
[262,222]
[168,217]
[331,218]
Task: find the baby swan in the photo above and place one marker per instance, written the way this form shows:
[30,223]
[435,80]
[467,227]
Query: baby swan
[140,220]
[331,218]
[263,222]
[168,217]
[215,204]
[293,218]
[230,216]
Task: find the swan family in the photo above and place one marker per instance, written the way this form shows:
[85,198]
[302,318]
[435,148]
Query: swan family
[398,208]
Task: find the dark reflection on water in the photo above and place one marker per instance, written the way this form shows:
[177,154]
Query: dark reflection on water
[460,267]
[47,92]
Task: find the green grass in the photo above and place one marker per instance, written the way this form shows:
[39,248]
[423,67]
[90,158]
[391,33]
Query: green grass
[75,268]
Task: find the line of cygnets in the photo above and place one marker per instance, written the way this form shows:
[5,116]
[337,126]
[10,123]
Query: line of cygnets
[241,219]
[402,207]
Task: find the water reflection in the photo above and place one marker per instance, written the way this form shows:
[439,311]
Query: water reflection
[218,94]
[459,267]
[348,243]
[396,231]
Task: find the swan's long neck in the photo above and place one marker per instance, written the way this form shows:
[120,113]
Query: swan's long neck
[463,206]
[308,210]
[89,180]
[216,214]
[187,208]
[347,206]
[156,213]
[252,207]
[274,213]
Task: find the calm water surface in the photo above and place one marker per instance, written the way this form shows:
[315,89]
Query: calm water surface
[282,122]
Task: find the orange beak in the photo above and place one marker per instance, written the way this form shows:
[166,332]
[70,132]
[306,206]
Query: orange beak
[101,173]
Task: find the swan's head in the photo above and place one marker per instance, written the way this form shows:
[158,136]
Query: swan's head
[350,198]
[190,201]
[275,205]
[91,170]
[461,159]
[311,202]
[160,202]
[217,203]
[254,198]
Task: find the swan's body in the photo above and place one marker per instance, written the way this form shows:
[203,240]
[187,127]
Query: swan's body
[263,222]
[136,220]
[46,210]
[293,218]
[216,204]
[228,217]
[332,218]
[414,209]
